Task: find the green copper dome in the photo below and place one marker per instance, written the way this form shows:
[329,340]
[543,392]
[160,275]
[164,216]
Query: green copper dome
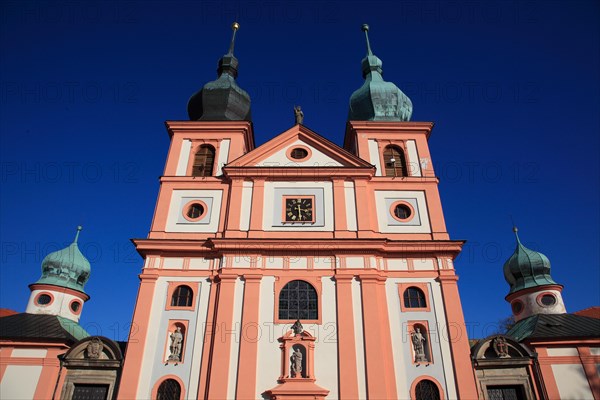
[66,268]
[527,268]
[376,99]
[222,99]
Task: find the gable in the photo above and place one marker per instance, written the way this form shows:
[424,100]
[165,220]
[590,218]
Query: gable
[283,157]
[318,151]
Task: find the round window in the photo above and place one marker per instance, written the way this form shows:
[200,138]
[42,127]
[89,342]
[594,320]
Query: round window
[517,307]
[548,300]
[299,153]
[75,306]
[44,299]
[402,211]
[195,211]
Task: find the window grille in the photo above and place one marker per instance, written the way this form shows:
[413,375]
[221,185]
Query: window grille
[298,300]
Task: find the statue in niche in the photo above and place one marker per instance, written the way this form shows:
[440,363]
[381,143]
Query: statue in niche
[297,327]
[94,348]
[500,347]
[176,342]
[418,341]
[296,359]
[298,115]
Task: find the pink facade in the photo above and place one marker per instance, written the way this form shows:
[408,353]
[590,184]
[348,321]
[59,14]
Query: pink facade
[366,239]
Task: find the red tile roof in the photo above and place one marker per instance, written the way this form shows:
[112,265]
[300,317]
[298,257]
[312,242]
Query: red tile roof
[592,312]
[5,312]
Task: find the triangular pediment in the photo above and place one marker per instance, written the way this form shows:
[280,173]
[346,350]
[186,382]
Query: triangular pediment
[299,147]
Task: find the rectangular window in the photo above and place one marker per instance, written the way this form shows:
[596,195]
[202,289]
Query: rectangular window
[506,392]
[90,392]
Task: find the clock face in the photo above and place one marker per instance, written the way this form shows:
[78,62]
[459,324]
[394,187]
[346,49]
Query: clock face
[299,209]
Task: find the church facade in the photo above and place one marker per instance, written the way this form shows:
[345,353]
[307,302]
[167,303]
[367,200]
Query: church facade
[299,269]
[349,244]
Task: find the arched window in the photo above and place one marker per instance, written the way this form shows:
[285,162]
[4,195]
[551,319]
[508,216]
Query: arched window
[169,390]
[182,296]
[427,390]
[414,298]
[204,161]
[395,161]
[298,300]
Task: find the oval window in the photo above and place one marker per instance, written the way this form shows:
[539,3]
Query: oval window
[402,211]
[44,299]
[75,306]
[517,307]
[548,300]
[195,211]
[299,153]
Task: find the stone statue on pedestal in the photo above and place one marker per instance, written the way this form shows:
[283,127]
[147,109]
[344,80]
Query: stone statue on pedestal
[176,342]
[297,327]
[296,363]
[418,341]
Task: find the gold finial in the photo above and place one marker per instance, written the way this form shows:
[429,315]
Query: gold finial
[234,27]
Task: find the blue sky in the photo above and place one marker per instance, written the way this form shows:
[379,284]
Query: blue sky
[513,88]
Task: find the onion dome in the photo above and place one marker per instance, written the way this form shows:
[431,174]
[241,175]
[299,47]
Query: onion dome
[222,99]
[376,99]
[66,268]
[527,268]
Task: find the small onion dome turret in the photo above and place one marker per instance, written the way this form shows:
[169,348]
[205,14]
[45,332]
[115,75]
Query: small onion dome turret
[376,99]
[222,99]
[66,268]
[527,268]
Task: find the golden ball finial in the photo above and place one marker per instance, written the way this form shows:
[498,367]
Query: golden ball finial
[235,26]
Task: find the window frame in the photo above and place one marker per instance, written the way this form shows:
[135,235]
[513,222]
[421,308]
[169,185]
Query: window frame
[281,282]
[288,153]
[164,378]
[539,299]
[75,301]
[403,161]
[405,204]
[413,387]
[187,207]
[424,287]
[195,148]
[36,300]
[173,285]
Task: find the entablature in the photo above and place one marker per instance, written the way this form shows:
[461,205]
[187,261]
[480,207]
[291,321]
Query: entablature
[290,173]
[216,246]
[220,127]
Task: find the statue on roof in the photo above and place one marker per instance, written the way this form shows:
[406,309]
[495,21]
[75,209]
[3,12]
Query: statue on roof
[299,115]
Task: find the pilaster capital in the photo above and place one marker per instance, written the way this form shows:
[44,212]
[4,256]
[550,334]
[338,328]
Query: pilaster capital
[343,278]
[252,277]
